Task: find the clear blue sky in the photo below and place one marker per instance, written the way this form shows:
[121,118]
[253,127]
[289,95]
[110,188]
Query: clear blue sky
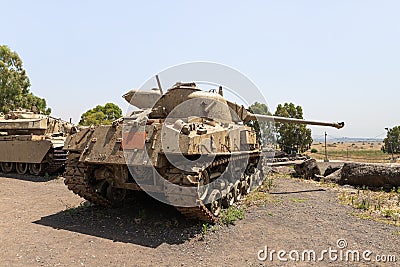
[339,60]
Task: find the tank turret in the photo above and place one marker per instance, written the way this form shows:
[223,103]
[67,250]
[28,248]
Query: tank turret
[216,106]
[26,122]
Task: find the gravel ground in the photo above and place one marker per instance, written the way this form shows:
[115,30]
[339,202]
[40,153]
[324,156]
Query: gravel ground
[44,224]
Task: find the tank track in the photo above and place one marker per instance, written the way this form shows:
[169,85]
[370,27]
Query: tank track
[201,212]
[59,160]
[75,180]
[56,163]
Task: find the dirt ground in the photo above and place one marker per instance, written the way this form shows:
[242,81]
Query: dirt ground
[43,224]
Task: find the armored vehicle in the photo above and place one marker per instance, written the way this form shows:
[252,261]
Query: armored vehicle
[187,147]
[32,143]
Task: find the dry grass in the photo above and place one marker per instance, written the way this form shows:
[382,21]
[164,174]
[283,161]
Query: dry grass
[377,205]
[261,196]
[357,151]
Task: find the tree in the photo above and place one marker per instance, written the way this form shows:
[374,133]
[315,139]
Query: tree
[391,144]
[265,130]
[101,115]
[14,85]
[292,136]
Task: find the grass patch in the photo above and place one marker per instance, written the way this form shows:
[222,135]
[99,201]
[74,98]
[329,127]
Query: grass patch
[298,200]
[257,198]
[362,215]
[268,184]
[204,229]
[397,233]
[363,205]
[231,215]
[70,210]
[377,205]
[214,228]
[261,196]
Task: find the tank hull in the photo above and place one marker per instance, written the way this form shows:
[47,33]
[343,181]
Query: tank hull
[31,151]
[36,155]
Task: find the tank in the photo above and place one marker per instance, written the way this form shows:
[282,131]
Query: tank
[32,143]
[190,148]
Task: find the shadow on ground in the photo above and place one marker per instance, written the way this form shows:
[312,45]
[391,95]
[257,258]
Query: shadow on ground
[29,178]
[142,221]
[297,192]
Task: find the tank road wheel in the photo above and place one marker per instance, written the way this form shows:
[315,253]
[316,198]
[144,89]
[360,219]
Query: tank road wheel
[229,198]
[115,195]
[237,191]
[215,202]
[246,185]
[35,168]
[257,181]
[249,182]
[202,187]
[21,168]
[7,167]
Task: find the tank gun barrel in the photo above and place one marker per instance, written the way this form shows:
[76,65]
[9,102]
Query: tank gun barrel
[259,117]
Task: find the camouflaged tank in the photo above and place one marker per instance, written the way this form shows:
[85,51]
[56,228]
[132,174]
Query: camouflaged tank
[188,148]
[32,143]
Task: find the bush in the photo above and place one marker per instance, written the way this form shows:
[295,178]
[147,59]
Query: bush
[313,150]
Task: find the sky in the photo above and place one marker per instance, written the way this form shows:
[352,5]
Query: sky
[339,60]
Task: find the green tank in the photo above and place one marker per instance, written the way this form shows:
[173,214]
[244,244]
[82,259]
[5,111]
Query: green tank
[32,143]
[190,148]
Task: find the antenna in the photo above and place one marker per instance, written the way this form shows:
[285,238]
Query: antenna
[220,91]
[159,84]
